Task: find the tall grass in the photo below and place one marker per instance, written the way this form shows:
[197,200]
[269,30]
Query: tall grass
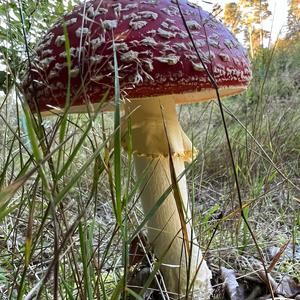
[69,201]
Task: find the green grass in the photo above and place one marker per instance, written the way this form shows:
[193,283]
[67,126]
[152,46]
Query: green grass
[69,201]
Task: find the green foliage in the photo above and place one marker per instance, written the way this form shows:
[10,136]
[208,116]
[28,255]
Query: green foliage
[293,21]
[277,65]
[32,18]
[246,16]
[5,81]
[66,202]
[232,17]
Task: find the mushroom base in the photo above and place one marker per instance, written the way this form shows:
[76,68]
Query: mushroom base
[156,133]
[165,233]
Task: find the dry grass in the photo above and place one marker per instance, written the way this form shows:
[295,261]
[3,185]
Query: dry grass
[60,233]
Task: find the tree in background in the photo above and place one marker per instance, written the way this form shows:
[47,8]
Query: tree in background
[232,17]
[293,22]
[39,15]
[254,12]
[216,10]
[246,16]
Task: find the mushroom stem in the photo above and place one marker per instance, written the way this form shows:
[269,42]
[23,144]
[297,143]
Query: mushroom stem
[156,131]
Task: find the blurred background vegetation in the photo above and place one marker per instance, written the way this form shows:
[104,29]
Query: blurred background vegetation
[58,231]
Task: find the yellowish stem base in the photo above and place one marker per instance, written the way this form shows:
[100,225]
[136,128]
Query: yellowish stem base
[164,230]
[156,133]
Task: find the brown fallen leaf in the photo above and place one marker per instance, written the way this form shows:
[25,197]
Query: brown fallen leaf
[234,291]
[287,287]
[277,256]
[137,249]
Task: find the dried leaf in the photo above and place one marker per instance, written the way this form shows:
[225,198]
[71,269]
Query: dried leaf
[138,280]
[277,256]
[292,251]
[137,249]
[288,287]
[262,275]
[232,287]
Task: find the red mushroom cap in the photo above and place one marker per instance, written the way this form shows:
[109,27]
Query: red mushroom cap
[155,54]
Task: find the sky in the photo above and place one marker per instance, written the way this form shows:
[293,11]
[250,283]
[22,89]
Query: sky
[276,21]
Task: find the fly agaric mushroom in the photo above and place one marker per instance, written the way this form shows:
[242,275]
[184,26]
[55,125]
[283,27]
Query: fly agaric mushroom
[158,68]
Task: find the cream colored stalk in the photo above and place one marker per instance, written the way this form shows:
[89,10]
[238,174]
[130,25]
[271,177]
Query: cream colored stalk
[151,143]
